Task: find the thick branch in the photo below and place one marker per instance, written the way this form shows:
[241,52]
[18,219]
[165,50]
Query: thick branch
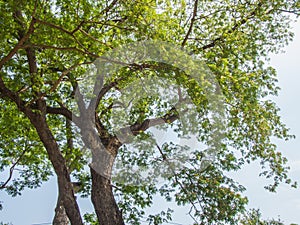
[136,128]
[105,89]
[146,124]
[62,111]
[14,97]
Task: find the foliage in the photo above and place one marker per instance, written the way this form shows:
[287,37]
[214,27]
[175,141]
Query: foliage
[47,48]
[254,217]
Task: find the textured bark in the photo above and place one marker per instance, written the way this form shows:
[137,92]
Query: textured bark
[64,182]
[60,217]
[104,202]
[38,120]
[104,151]
[58,161]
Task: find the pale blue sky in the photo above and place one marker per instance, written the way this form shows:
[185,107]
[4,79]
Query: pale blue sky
[37,206]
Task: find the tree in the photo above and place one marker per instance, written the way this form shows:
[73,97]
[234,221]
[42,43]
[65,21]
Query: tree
[65,89]
[254,217]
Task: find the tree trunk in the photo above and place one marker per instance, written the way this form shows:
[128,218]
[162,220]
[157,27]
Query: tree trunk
[59,164]
[38,119]
[104,202]
[104,152]
[60,217]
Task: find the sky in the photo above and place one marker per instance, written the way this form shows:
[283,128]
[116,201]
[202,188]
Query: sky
[286,202]
[36,207]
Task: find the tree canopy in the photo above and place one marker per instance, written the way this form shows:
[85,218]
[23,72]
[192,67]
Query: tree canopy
[86,87]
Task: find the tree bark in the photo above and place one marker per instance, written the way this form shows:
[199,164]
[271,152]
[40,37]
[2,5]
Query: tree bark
[104,202]
[60,217]
[59,164]
[104,151]
[38,120]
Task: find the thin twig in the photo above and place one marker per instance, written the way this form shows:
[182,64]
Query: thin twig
[191,25]
[176,179]
[235,27]
[11,170]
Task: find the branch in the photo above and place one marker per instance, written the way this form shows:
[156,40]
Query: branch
[84,52]
[19,44]
[94,39]
[95,101]
[61,49]
[13,96]
[78,28]
[106,88]
[63,74]
[235,27]
[296,12]
[53,26]
[58,81]
[22,40]
[71,33]
[191,25]
[62,111]
[11,170]
[109,7]
[169,117]
[106,10]
[136,128]
[111,25]
[175,176]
